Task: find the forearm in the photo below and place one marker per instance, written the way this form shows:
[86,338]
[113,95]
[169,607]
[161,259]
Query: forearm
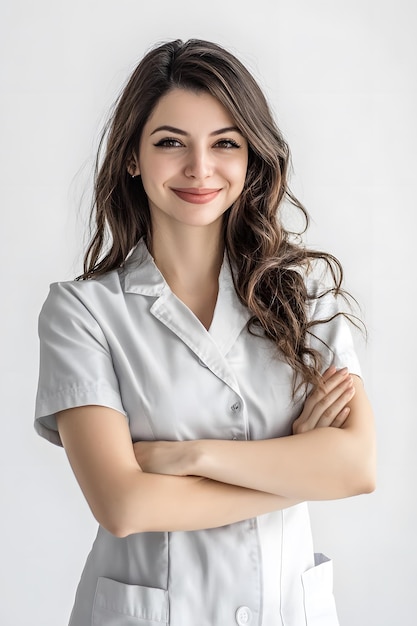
[154,502]
[317,465]
[320,464]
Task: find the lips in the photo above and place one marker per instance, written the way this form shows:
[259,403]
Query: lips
[196,195]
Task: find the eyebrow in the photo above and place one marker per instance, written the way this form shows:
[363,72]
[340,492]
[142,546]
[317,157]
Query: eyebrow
[178,131]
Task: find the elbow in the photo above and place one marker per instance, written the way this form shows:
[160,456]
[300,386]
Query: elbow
[357,485]
[117,528]
[114,524]
[369,481]
[117,520]
[365,476]
[365,486]
[130,507]
[124,522]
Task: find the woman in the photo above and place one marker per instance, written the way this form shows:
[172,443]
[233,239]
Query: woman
[203,383]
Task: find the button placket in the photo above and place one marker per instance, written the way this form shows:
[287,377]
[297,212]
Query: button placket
[239,429]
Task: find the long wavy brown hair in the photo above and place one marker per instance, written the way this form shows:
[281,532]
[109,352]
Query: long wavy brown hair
[270,263]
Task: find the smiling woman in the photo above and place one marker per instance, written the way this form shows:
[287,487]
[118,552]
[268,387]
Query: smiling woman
[199,158]
[204,385]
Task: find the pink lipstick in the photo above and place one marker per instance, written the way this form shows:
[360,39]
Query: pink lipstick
[196,195]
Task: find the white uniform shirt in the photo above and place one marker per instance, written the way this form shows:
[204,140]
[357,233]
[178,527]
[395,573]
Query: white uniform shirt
[125,341]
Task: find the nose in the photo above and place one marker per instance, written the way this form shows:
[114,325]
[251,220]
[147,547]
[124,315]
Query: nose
[199,164]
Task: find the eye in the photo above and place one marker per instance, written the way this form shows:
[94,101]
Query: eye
[227,143]
[168,142]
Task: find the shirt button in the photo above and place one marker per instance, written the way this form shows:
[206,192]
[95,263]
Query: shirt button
[202,363]
[243,615]
[235,407]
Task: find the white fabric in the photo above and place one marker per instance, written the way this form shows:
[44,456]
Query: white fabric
[125,341]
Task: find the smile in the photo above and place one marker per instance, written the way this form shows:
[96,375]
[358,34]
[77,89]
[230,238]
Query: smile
[195,195]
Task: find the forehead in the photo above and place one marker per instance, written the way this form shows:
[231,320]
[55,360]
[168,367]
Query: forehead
[184,109]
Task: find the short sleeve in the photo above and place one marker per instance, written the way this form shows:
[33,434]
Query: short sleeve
[333,339]
[75,366]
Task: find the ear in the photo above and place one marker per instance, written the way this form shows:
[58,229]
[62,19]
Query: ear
[133,167]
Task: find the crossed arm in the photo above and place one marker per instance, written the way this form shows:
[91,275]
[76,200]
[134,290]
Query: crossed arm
[157,486]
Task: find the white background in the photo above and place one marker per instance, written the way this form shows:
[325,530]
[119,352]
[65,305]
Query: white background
[341,78]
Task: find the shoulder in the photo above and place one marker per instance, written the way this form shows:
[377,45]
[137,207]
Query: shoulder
[107,284]
[322,301]
[82,297]
[330,326]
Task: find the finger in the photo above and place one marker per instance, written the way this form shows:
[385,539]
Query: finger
[331,413]
[333,378]
[327,406]
[333,371]
[329,372]
[340,419]
[316,403]
[330,418]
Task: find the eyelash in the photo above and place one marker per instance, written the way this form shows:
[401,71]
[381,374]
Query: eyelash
[171,142]
[232,143]
[168,142]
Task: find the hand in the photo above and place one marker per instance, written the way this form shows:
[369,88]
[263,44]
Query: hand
[327,406]
[165,457]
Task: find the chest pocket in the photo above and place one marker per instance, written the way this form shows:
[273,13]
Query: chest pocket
[119,604]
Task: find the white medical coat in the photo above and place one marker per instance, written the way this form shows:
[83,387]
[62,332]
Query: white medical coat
[125,341]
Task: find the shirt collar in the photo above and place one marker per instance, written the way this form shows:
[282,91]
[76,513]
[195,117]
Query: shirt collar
[140,273]
[142,276]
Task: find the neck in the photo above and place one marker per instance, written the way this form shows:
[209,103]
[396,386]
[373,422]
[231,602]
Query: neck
[189,260]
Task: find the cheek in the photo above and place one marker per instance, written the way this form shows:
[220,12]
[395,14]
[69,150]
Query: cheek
[155,172]
[237,172]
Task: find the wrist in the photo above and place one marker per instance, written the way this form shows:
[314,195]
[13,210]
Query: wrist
[196,457]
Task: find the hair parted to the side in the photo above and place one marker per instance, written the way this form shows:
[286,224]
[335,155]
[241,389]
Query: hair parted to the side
[270,265]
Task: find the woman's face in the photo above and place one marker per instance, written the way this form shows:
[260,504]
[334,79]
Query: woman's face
[192,160]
